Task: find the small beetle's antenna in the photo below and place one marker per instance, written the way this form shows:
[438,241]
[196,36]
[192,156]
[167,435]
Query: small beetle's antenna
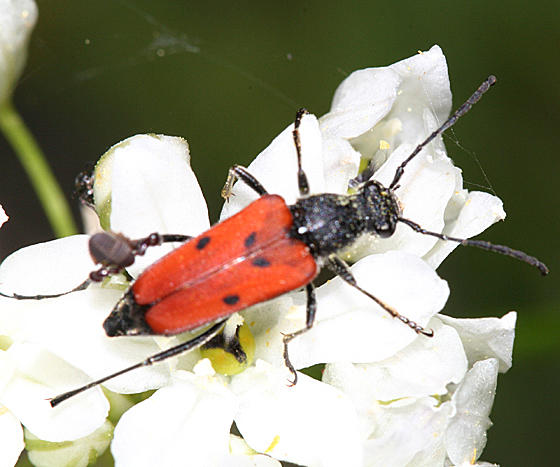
[502,249]
[171,352]
[491,80]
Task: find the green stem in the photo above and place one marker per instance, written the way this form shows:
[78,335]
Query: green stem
[38,171]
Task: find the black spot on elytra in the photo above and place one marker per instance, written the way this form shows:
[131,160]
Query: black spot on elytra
[231,299]
[261,262]
[202,243]
[250,239]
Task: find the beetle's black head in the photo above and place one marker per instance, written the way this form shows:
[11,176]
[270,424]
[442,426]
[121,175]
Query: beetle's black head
[381,208]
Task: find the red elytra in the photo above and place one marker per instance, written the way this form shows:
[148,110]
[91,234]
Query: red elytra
[246,259]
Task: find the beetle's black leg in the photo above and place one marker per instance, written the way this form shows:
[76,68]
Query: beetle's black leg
[171,352]
[241,173]
[303,184]
[309,320]
[340,268]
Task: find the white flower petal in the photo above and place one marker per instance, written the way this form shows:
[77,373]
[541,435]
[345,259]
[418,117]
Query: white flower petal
[243,456]
[11,434]
[77,453]
[465,437]
[401,432]
[311,423]
[276,167]
[71,327]
[408,433]
[400,91]
[466,218]
[17,19]
[478,464]
[186,423]
[41,376]
[486,337]
[3,217]
[153,189]
[341,163]
[47,268]
[267,323]
[360,101]
[351,327]
[423,368]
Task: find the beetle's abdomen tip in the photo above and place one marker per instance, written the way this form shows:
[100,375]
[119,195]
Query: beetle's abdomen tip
[127,318]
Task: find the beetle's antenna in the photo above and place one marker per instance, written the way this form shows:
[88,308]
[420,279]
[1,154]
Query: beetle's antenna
[171,352]
[303,184]
[491,80]
[502,249]
[84,285]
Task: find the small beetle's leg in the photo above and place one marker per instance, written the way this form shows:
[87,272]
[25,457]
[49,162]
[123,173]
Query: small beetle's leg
[303,184]
[115,252]
[241,173]
[309,320]
[83,187]
[171,352]
[341,269]
[140,246]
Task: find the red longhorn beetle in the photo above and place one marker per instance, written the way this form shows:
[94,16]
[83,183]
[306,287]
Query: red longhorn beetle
[267,249]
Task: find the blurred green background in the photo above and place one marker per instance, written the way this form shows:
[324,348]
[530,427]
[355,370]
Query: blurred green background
[229,76]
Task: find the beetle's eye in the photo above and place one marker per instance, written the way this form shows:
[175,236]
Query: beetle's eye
[385,230]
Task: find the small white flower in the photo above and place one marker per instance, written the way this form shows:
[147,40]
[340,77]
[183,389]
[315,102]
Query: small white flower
[17,19]
[11,435]
[427,405]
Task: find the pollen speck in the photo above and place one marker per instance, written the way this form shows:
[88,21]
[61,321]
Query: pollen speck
[273,444]
[409,109]
[384,144]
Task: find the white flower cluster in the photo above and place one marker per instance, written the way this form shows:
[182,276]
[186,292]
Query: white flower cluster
[388,397]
